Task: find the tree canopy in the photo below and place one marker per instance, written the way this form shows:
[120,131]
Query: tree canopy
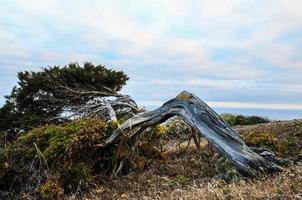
[44,95]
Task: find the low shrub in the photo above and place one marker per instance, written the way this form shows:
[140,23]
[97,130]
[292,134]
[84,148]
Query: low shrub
[69,150]
[234,120]
[72,152]
[283,138]
[224,167]
[51,189]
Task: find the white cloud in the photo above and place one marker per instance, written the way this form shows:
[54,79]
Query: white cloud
[116,27]
[176,37]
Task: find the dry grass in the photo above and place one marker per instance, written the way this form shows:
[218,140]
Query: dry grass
[186,172]
[182,182]
[191,174]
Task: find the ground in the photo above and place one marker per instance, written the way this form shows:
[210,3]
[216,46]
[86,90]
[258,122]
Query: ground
[68,167]
[188,173]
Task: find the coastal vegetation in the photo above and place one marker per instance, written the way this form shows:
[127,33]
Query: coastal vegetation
[67,132]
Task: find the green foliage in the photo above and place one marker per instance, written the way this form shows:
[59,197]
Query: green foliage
[235,120]
[180,179]
[52,140]
[224,166]
[156,132]
[76,175]
[232,175]
[154,139]
[68,150]
[282,146]
[51,189]
[38,86]
[262,139]
[12,122]
[7,114]
[54,160]
[256,120]
[42,96]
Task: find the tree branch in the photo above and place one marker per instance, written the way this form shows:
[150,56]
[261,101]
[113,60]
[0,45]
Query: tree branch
[207,122]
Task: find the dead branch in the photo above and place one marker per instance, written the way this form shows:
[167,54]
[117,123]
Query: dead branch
[200,117]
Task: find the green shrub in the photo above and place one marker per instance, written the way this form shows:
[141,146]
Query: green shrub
[51,189]
[234,120]
[180,179]
[251,120]
[69,150]
[262,139]
[286,145]
[72,152]
[76,175]
[42,97]
[224,166]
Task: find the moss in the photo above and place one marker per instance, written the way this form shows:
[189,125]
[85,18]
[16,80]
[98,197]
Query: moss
[51,189]
[184,96]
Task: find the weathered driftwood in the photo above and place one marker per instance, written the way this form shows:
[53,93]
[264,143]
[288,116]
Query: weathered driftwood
[207,122]
[108,108]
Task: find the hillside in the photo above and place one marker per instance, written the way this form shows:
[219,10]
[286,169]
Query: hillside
[194,174]
[66,162]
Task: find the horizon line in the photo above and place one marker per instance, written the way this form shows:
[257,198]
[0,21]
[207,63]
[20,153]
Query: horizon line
[230,104]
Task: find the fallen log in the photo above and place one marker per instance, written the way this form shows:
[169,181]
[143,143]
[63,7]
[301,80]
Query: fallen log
[208,123]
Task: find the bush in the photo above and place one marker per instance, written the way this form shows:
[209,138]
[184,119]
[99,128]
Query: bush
[234,120]
[42,97]
[72,152]
[224,166]
[262,139]
[51,189]
[68,150]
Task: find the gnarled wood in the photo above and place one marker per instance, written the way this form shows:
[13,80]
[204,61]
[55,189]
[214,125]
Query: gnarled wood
[109,108]
[207,122]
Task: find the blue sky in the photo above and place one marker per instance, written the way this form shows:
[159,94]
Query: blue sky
[238,56]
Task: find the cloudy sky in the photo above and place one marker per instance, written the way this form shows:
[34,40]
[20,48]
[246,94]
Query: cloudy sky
[240,56]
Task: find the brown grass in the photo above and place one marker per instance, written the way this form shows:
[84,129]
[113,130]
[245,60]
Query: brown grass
[287,185]
[185,172]
[190,173]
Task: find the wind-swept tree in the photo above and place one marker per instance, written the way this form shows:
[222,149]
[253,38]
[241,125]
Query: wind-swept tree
[56,93]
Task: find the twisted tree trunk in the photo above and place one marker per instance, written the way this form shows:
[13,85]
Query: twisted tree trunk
[207,122]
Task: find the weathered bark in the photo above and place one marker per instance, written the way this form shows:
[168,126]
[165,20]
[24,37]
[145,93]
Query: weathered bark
[110,108]
[207,122]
